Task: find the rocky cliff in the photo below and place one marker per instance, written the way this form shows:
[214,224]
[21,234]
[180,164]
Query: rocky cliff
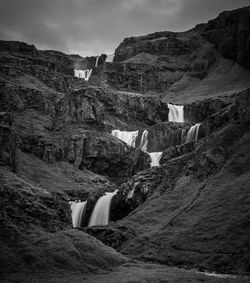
[186,66]
[56,146]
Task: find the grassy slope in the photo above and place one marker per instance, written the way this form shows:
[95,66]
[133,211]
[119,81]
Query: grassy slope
[201,218]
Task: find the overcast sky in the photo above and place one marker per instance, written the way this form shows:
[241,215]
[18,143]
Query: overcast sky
[92,27]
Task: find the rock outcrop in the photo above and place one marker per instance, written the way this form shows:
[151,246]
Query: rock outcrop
[104,108]
[230,33]
[8,142]
[164,135]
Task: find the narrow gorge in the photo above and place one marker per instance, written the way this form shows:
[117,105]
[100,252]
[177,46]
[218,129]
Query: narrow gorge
[118,164]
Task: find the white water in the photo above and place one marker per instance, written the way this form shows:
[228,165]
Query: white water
[83,74]
[176,113]
[155,158]
[144,141]
[110,58]
[78,210]
[128,137]
[193,133]
[100,214]
[96,61]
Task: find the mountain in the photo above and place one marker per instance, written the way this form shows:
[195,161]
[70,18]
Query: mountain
[56,146]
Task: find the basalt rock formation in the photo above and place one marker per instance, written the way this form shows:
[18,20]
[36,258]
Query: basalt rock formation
[56,146]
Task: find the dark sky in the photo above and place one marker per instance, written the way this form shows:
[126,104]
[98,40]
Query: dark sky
[92,27]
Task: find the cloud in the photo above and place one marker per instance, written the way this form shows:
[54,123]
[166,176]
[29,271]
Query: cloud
[91,27]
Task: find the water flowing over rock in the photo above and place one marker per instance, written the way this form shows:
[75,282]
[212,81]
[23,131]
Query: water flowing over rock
[78,210]
[128,137]
[176,113]
[193,133]
[100,214]
[83,74]
[144,141]
[96,62]
[155,158]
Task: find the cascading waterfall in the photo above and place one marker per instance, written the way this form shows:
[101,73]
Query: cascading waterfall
[176,113]
[83,74]
[144,141]
[96,61]
[78,211]
[128,137]
[100,214]
[193,133]
[155,158]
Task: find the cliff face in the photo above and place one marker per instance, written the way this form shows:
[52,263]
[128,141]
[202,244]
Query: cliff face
[56,145]
[230,32]
[186,66]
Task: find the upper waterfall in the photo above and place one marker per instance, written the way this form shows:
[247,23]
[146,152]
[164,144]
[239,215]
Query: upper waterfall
[78,210]
[83,74]
[96,61]
[176,113]
[100,214]
[193,133]
[128,137]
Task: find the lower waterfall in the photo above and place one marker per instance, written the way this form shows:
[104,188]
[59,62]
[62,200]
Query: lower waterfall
[176,113]
[100,214]
[128,137]
[155,158]
[193,133]
[78,210]
[83,74]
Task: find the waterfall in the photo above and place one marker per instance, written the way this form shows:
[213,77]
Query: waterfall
[110,58]
[78,210]
[176,113]
[128,137]
[96,61]
[144,141]
[100,214]
[193,133]
[155,158]
[83,74]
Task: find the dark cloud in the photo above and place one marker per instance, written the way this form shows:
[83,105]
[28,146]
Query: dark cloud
[90,27]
